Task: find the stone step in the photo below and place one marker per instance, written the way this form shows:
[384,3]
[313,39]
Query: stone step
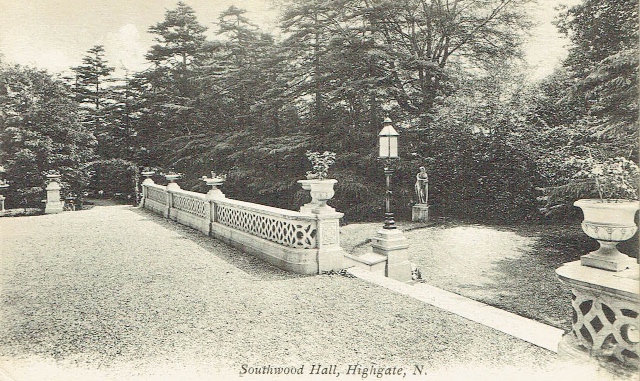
[369,261]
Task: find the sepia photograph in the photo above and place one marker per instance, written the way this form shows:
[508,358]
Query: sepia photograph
[319,189]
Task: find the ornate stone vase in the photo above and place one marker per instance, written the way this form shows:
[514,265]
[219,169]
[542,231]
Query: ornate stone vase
[321,191]
[214,182]
[171,178]
[147,176]
[609,222]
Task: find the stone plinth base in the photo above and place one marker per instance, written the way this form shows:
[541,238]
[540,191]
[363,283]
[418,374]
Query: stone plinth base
[393,244]
[420,213]
[370,261]
[612,262]
[606,306]
[215,194]
[54,204]
[53,207]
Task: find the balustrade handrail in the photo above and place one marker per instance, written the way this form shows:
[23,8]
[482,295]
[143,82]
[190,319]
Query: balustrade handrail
[156,186]
[249,206]
[265,210]
[197,195]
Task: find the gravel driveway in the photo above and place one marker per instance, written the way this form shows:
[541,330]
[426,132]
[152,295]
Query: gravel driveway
[116,292]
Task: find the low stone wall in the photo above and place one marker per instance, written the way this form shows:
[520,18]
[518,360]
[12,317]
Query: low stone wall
[304,243]
[155,198]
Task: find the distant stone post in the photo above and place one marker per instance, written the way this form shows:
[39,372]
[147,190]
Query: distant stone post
[54,203]
[147,173]
[172,186]
[3,185]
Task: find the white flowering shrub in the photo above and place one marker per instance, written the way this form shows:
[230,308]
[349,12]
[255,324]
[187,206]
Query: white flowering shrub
[321,163]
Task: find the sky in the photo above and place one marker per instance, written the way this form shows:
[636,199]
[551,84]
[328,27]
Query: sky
[55,34]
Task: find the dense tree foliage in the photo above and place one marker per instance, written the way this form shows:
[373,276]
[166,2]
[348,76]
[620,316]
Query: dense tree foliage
[96,95]
[589,108]
[40,130]
[448,72]
[604,63]
[91,77]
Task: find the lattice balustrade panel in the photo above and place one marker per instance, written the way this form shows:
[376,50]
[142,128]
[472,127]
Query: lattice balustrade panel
[606,326]
[156,194]
[298,234]
[191,205]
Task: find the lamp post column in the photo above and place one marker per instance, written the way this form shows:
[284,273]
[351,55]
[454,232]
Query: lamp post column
[389,222]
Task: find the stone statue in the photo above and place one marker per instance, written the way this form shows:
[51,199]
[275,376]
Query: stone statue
[422,186]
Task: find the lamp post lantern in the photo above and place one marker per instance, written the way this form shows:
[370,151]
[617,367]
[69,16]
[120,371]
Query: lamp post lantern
[388,150]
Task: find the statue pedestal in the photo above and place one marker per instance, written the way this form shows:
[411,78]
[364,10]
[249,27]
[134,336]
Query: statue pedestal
[420,213]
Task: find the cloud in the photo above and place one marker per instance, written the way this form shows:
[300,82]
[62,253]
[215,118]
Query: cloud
[125,48]
[56,59]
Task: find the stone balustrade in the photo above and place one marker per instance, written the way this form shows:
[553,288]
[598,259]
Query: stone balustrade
[305,243]
[605,317]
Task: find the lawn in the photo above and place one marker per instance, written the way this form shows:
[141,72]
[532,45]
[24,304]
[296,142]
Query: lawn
[511,267]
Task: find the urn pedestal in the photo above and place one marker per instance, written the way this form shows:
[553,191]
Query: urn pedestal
[147,181]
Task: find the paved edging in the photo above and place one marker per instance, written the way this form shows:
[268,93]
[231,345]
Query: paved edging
[531,331]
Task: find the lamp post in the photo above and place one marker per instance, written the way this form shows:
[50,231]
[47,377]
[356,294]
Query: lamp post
[390,241]
[388,150]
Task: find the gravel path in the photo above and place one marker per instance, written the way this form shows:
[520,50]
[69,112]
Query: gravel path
[120,293]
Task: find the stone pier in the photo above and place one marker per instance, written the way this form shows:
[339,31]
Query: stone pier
[605,318]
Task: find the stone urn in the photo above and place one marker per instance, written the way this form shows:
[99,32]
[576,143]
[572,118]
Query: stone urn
[147,173]
[609,222]
[171,178]
[215,181]
[321,191]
